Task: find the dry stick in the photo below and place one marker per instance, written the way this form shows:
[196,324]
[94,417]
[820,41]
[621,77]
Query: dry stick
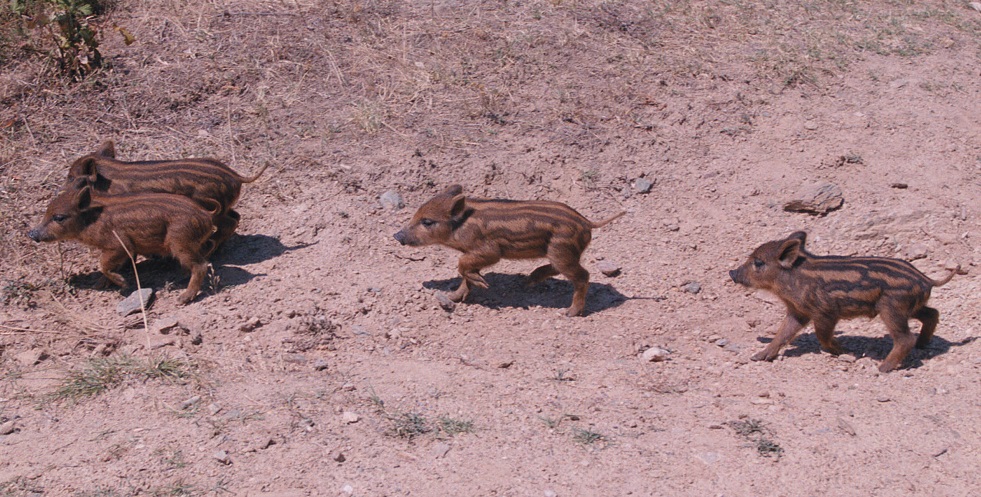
[139,290]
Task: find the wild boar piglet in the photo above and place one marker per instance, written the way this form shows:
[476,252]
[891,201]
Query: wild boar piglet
[826,289]
[486,231]
[144,223]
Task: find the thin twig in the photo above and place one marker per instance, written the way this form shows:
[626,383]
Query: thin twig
[139,289]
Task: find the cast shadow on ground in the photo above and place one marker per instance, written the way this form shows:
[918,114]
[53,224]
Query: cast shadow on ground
[876,348]
[510,291]
[161,272]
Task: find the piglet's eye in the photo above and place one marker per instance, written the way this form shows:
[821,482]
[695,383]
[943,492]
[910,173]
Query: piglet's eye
[758,263]
[59,218]
[427,223]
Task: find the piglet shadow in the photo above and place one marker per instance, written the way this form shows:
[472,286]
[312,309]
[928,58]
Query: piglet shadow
[875,348]
[510,291]
[160,272]
[252,249]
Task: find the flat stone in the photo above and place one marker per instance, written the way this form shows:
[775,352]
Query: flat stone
[816,198]
[337,455]
[250,325]
[319,365]
[608,268]
[131,304]
[31,357]
[655,354]
[692,287]
[222,457]
[165,325]
[7,428]
[439,450]
[349,417]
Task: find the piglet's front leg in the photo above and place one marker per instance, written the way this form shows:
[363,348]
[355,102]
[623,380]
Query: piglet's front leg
[790,326]
[470,265]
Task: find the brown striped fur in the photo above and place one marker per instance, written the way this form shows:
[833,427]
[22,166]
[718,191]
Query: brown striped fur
[147,223]
[487,231]
[826,289]
[199,179]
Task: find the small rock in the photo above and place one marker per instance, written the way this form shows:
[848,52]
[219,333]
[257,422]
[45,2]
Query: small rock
[722,342]
[131,304]
[196,338]
[391,200]
[349,417]
[336,455]
[214,409]
[7,428]
[976,6]
[165,325]
[846,427]
[847,358]
[608,268]
[549,493]
[222,457]
[655,354]
[348,489]
[899,186]
[506,364]
[31,357]
[709,458]
[262,443]
[445,302]
[190,402]
[883,398]
[643,185]
[250,325]
[439,450]
[916,251]
[319,365]
[691,287]
[810,125]
[348,387]
[162,342]
[816,198]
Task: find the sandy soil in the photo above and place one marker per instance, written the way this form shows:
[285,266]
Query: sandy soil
[320,362]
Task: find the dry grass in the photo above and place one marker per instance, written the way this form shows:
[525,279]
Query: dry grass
[305,85]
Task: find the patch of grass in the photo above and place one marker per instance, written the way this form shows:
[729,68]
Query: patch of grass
[408,425]
[587,437]
[756,432]
[453,427]
[102,374]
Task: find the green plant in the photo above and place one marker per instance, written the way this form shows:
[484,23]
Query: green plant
[586,437]
[453,427]
[71,26]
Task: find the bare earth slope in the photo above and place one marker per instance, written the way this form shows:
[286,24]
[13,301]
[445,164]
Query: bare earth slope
[320,363]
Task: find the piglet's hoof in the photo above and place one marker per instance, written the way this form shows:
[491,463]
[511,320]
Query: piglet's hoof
[761,356]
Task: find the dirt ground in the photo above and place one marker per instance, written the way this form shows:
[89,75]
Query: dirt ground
[319,362]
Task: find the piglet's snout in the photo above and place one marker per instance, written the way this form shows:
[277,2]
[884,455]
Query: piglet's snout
[400,236]
[34,234]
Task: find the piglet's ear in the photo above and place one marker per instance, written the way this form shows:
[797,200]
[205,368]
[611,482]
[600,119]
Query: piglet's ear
[453,190]
[798,235]
[83,198]
[86,169]
[458,206]
[789,252]
[108,149]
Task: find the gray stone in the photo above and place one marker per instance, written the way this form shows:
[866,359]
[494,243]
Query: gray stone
[391,200]
[349,417]
[692,287]
[445,302]
[643,185]
[250,325]
[816,198]
[337,455]
[7,428]
[131,304]
[319,365]
[222,457]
